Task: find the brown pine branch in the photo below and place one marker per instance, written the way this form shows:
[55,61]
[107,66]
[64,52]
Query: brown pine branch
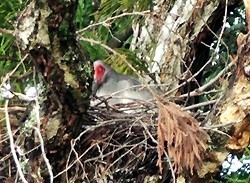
[186,140]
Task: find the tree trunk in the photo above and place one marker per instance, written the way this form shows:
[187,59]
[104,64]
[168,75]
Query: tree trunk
[180,54]
[46,31]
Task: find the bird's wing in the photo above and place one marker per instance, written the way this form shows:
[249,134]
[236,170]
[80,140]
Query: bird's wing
[128,82]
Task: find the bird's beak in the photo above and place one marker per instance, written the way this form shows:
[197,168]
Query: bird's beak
[95,87]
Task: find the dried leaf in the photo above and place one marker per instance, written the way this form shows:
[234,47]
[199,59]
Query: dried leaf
[185,139]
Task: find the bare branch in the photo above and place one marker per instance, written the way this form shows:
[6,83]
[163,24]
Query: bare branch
[6,31]
[208,84]
[108,20]
[7,77]
[199,105]
[13,109]
[12,144]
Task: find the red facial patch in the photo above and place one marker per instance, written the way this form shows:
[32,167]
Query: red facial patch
[99,72]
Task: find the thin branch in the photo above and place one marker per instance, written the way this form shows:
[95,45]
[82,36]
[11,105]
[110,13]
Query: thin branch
[166,154]
[124,154]
[223,26]
[218,131]
[107,21]
[13,109]
[109,49]
[49,167]
[12,144]
[199,105]
[220,125]
[8,75]
[74,162]
[172,98]
[6,31]
[208,84]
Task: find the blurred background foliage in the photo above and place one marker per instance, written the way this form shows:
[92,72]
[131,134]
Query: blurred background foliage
[226,51]
[10,54]
[93,11]
[236,168]
[116,33]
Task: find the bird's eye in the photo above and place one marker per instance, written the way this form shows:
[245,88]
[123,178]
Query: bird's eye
[100,69]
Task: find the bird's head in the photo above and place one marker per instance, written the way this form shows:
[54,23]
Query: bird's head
[101,71]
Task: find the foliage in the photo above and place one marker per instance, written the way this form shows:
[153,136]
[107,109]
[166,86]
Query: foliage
[225,53]
[240,175]
[84,13]
[9,53]
[234,25]
[106,31]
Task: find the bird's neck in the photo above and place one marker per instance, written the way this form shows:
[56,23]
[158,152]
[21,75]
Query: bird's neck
[110,77]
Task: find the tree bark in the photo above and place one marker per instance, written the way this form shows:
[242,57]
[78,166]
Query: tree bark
[181,50]
[46,32]
[179,32]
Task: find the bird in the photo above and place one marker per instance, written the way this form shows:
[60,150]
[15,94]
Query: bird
[116,87]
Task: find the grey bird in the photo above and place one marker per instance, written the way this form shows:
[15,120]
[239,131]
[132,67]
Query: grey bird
[122,88]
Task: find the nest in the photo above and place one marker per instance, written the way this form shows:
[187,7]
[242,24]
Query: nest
[132,142]
[121,147]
